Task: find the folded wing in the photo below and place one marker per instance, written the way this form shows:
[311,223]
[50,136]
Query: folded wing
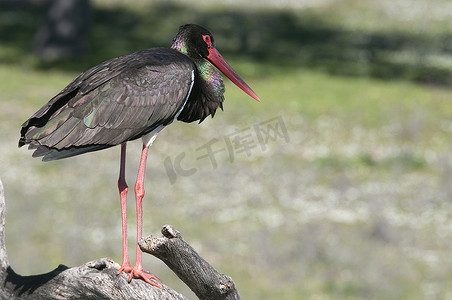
[114,102]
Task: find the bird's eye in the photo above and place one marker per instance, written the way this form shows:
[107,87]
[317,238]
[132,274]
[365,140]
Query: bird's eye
[206,39]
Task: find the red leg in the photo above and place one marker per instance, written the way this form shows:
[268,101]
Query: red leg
[123,188]
[137,270]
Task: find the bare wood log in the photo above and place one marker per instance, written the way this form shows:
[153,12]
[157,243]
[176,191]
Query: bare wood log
[4,264]
[92,280]
[200,276]
[98,279]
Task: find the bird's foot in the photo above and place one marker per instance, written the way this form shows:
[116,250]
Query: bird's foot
[138,272]
[125,268]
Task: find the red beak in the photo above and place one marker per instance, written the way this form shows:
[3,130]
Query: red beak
[218,61]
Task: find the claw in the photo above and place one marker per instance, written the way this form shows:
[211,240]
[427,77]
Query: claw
[125,268]
[140,273]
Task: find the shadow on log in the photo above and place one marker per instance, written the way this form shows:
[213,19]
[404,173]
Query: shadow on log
[98,279]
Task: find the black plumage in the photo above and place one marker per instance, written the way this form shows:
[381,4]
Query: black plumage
[114,102]
[132,95]
[128,97]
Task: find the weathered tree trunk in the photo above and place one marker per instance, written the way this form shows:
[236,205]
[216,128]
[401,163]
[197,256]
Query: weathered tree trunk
[98,279]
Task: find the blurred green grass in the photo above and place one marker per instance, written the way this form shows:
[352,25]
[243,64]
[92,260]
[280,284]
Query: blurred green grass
[356,205]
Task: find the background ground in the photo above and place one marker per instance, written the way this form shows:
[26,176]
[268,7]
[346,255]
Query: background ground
[344,191]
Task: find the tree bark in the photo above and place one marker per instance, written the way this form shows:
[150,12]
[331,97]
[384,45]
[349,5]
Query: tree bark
[191,268]
[98,279]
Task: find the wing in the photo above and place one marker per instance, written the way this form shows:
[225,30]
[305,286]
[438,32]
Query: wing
[114,102]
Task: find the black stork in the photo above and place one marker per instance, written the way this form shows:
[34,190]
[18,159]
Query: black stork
[128,97]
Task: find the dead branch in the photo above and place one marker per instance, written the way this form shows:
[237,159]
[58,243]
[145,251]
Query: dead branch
[191,268]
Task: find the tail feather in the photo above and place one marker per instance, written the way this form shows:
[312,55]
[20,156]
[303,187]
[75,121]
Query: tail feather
[54,154]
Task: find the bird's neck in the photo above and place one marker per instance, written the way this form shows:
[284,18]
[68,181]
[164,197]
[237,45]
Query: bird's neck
[208,90]
[206,70]
[211,76]
[180,46]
